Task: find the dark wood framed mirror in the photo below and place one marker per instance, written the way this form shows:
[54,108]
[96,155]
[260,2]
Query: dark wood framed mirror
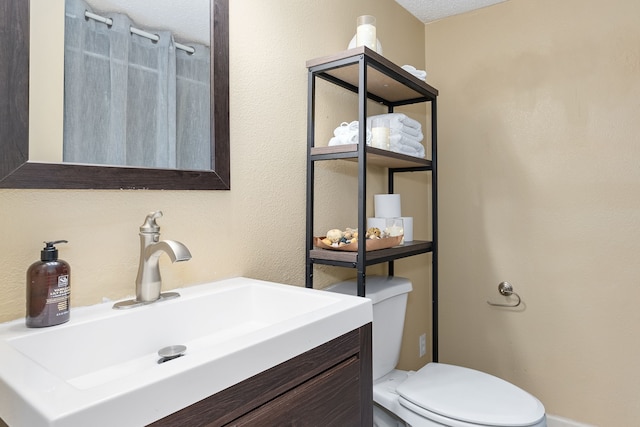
[16,171]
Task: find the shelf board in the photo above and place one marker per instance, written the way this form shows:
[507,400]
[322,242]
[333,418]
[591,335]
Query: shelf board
[385,80]
[375,156]
[349,259]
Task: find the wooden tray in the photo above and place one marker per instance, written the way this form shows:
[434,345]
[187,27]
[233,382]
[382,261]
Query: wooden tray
[372,244]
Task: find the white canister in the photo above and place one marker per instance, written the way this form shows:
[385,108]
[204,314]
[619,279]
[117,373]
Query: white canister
[407,222]
[366,31]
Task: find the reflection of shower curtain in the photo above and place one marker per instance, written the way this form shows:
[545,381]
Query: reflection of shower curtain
[131,101]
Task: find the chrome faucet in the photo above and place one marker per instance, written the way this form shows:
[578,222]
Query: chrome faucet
[148,281]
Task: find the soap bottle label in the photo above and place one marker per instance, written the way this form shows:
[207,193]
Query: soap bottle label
[58,300]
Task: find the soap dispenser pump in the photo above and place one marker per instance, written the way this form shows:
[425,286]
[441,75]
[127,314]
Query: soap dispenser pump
[48,289]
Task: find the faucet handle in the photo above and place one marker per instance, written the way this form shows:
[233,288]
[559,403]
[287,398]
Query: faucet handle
[150,225]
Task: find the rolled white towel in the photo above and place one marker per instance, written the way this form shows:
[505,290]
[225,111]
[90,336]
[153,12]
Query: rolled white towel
[347,133]
[347,128]
[335,141]
[343,129]
[345,139]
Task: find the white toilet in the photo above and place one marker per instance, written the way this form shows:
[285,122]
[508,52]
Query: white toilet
[437,394]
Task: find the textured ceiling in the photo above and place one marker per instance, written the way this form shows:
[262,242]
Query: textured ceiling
[189,20]
[432,10]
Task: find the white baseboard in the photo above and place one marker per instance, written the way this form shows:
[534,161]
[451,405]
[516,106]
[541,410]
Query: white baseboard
[556,421]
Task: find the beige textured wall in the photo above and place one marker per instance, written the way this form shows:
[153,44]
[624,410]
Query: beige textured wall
[257,229]
[540,184]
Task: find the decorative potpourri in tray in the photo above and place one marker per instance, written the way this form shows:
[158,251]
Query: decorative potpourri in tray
[338,240]
[372,244]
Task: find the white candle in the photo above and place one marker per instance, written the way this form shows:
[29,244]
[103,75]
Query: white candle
[380,133]
[380,137]
[407,225]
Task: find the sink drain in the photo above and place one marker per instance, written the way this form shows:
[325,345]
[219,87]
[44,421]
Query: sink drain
[171,352]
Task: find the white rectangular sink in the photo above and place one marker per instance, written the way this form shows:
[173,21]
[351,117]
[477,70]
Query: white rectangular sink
[101,368]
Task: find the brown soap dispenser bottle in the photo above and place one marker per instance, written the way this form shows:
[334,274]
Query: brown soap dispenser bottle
[48,289]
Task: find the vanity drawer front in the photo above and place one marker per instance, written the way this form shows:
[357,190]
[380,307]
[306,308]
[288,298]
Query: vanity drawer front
[330,399]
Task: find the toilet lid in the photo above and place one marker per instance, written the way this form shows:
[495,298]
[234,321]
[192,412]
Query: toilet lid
[471,396]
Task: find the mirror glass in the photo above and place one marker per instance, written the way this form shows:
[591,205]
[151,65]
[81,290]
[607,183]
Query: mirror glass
[204,22]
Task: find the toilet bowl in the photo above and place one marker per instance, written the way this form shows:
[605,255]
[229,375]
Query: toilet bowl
[438,394]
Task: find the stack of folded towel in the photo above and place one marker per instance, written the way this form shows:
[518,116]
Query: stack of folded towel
[421,74]
[405,134]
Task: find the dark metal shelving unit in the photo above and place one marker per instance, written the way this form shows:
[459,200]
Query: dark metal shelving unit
[371,76]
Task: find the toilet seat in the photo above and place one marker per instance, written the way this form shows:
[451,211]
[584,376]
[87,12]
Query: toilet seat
[469,396]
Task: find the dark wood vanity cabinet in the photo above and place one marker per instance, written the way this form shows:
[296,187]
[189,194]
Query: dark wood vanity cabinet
[330,385]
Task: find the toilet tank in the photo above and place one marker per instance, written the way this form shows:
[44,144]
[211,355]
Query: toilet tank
[388,295]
